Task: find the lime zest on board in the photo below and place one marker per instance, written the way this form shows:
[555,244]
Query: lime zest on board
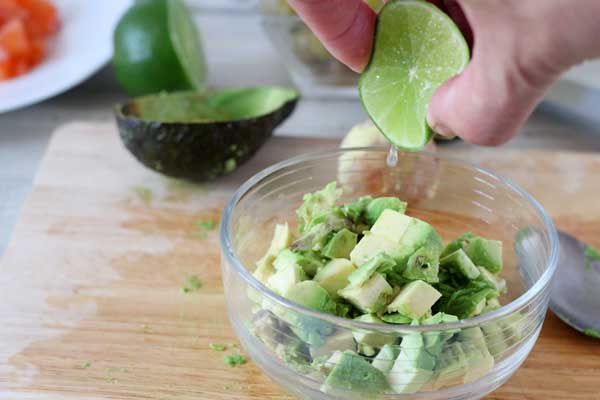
[217,347]
[235,359]
[191,284]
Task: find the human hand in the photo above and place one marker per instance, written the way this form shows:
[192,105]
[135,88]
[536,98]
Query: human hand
[519,49]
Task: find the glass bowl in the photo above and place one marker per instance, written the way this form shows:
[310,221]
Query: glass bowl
[298,347]
[311,67]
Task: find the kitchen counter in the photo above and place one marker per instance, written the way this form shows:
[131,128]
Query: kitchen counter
[24,133]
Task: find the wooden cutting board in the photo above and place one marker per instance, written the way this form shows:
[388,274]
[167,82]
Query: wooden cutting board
[90,299]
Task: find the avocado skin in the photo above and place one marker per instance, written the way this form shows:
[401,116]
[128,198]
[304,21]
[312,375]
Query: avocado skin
[197,152]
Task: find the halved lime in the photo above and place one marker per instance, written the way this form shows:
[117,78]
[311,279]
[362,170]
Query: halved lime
[417,48]
[157,48]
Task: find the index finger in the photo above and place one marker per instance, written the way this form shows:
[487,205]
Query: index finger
[345,27]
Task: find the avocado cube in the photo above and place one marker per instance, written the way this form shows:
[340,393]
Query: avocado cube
[491,305]
[340,245]
[413,354]
[336,343]
[408,380]
[353,373]
[472,336]
[396,318]
[495,281]
[308,260]
[414,300]
[377,206]
[317,204]
[380,262]
[334,275]
[423,265]
[456,244]
[316,236]
[285,279]
[282,238]
[478,359]
[451,367]
[310,294]
[494,338]
[485,253]
[460,264]
[371,297]
[356,209]
[435,340]
[371,244]
[384,361]
[392,225]
[372,338]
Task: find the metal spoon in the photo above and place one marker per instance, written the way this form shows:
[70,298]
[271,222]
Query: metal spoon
[575,294]
[576,286]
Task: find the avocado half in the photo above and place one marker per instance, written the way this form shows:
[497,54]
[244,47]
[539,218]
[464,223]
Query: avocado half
[200,136]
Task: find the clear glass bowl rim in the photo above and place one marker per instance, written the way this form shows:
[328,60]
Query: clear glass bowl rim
[505,310]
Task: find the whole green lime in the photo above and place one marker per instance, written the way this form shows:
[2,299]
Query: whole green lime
[158,48]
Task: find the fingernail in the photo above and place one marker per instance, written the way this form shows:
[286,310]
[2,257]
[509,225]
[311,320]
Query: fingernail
[443,130]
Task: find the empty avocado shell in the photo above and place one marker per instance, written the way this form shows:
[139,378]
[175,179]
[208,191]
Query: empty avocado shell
[200,136]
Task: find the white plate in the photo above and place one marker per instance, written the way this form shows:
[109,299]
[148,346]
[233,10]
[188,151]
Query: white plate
[82,46]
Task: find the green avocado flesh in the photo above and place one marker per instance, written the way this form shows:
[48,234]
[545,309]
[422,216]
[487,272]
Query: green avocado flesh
[370,261]
[202,135]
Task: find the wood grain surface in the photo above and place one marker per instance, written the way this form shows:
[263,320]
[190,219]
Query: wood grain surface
[91,305]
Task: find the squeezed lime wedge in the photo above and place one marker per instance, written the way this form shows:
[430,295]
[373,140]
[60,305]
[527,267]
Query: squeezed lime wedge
[417,48]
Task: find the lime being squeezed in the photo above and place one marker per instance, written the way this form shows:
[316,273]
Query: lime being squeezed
[417,48]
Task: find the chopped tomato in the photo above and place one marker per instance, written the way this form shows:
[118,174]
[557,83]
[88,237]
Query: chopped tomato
[25,25]
[42,17]
[13,38]
[10,9]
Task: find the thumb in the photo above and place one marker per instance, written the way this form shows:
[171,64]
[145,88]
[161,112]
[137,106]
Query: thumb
[492,98]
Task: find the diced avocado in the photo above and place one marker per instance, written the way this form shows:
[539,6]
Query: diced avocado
[335,343]
[513,326]
[414,300]
[356,209]
[380,262]
[340,245]
[283,280]
[478,359]
[472,336]
[451,366]
[493,280]
[371,297]
[392,225]
[316,236]
[413,353]
[294,355]
[408,380]
[376,207]
[282,238]
[459,263]
[310,294]
[421,234]
[384,361]
[317,204]
[479,363]
[334,360]
[264,270]
[265,326]
[334,275]
[456,244]
[308,260]
[396,318]
[494,338]
[372,338]
[491,305]
[485,253]
[435,340]
[423,265]
[371,244]
[470,300]
[353,373]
